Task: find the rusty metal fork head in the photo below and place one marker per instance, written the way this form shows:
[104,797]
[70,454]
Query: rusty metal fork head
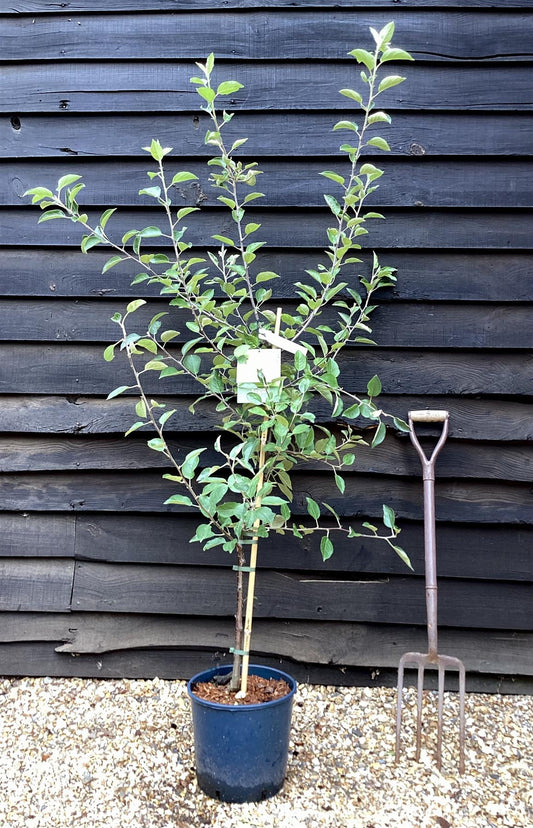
[441,663]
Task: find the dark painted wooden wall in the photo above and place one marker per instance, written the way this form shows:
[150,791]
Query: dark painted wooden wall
[96,576]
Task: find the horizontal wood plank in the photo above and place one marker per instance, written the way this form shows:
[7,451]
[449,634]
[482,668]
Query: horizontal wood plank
[356,645]
[487,420]
[47,7]
[81,370]
[485,552]
[422,274]
[190,591]
[460,460]
[155,85]
[42,585]
[295,134]
[409,228]
[417,183]
[25,535]
[394,325]
[40,659]
[263,34]
[461,501]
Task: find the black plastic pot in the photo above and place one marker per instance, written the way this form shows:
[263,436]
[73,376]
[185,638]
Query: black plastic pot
[241,750]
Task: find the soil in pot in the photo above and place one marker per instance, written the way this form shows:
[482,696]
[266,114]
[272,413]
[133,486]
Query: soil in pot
[259,690]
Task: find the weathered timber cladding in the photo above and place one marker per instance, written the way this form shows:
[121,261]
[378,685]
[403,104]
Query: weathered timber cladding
[91,562]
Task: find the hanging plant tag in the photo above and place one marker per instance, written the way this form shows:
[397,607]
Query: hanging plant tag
[266,361]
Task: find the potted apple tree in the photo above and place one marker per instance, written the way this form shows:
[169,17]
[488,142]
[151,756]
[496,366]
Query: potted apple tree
[262,369]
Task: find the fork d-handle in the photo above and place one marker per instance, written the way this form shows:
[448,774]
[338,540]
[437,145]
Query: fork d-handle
[430,549]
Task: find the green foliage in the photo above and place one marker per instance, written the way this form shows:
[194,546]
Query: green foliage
[247,494]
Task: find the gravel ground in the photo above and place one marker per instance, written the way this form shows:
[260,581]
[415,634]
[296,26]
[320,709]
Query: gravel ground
[119,754]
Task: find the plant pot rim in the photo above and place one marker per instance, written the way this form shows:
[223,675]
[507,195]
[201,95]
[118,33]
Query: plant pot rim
[240,708]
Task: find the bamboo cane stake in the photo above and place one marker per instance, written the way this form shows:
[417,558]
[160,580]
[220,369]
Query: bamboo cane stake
[250,596]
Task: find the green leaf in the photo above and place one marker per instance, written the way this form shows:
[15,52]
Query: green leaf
[190,463]
[192,363]
[117,391]
[109,353]
[389,517]
[395,54]
[273,500]
[403,555]
[65,180]
[134,427]
[333,205]
[186,211]
[156,150]
[206,93]
[38,194]
[114,260]
[389,81]
[167,336]
[153,192]
[379,436]
[313,508]
[166,416]
[374,386]
[140,408]
[224,239]
[346,125]
[179,500]
[148,345]
[379,117]
[266,276]
[51,214]
[106,215]
[183,176]
[157,444]
[351,93]
[326,547]
[380,143]
[133,306]
[340,483]
[362,56]
[333,176]
[228,87]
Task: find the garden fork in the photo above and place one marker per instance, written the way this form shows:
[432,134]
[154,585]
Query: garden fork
[432,657]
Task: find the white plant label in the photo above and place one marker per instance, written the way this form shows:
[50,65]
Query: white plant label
[264,360]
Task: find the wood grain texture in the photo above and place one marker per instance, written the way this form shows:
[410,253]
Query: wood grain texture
[457,501]
[35,585]
[263,34]
[394,325]
[133,87]
[47,7]
[80,370]
[460,460]
[407,183]
[407,228]
[190,591]
[430,275]
[494,552]
[25,535]
[75,136]
[40,659]
[487,420]
[355,645]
